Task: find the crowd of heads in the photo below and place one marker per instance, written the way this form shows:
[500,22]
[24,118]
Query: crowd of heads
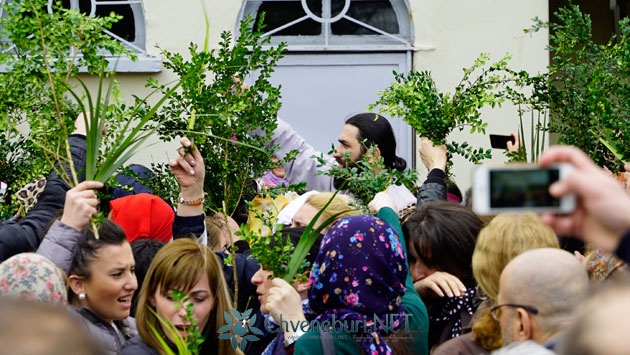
[504,279]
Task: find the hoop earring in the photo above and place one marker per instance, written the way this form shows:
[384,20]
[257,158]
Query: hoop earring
[82,296]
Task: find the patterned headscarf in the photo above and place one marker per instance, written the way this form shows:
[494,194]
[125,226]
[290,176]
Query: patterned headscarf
[359,274]
[33,277]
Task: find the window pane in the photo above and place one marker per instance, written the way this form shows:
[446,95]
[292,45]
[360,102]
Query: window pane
[376,13]
[125,28]
[278,13]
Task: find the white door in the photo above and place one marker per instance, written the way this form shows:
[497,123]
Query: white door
[319,91]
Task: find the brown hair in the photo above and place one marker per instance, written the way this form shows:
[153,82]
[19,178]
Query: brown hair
[179,265]
[441,228]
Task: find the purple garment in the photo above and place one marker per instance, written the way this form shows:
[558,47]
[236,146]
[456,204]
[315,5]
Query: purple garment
[271,180]
[360,273]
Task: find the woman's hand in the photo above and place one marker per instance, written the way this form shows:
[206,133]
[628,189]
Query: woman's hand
[81,204]
[440,283]
[190,172]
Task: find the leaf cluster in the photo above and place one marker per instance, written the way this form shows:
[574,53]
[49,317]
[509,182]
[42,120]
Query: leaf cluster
[589,87]
[42,54]
[434,114]
[231,126]
[368,176]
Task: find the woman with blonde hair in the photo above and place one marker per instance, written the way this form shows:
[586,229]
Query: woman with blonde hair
[193,269]
[504,238]
[342,205]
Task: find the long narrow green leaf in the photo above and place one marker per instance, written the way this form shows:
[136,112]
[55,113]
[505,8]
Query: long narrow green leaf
[206,42]
[307,239]
[165,347]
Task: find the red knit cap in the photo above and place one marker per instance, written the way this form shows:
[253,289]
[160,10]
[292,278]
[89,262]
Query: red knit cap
[143,216]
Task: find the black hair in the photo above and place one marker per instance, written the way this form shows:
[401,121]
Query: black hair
[443,234]
[377,130]
[144,251]
[109,233]
[452,188]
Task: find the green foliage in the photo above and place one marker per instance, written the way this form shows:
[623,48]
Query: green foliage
[272,253]
[589,87]
[415,98]
[368,176]
[43,55]
[231,126]
[278,254]
[188,345]
[537,137]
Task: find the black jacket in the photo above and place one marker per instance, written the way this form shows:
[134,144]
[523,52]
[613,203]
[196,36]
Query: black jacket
[433,188]
[26,234]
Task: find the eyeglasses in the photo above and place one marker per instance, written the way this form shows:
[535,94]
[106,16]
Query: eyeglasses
[496,310]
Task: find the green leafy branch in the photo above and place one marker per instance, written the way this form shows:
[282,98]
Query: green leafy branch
[415,98]
[188,345]
[368,176]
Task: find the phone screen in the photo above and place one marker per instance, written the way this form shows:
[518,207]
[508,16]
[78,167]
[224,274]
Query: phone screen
[523,188]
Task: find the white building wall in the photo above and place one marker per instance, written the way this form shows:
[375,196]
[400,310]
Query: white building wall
[449,35]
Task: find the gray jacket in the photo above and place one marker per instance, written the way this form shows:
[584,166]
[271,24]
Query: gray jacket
[105,334]
[304,167]
[137,346]
[59,245]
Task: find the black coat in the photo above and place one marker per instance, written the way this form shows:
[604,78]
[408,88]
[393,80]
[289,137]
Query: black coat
[26,234]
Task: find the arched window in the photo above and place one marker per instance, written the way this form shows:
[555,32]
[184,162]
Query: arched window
[130,30]
[335,24]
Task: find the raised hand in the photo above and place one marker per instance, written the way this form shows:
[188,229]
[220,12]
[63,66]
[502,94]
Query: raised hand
[81,204]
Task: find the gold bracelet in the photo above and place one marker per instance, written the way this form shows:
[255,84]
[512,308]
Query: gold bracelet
[195,202]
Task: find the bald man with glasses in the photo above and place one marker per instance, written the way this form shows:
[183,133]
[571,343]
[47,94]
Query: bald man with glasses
[539,292]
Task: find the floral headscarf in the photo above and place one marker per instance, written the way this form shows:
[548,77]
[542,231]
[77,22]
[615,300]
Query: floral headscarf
[359,274]
[33,277]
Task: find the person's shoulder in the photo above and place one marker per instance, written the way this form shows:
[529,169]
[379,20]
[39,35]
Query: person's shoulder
[136,345]
[461,345]
[311,343]
[527,347]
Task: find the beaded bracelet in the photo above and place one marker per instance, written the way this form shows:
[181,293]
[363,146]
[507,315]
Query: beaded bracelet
[195,202]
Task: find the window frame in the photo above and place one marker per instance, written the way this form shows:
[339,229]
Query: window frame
[144,63]
[403,41]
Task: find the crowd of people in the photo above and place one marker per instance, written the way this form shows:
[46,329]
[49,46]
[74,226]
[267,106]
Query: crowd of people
[417,274]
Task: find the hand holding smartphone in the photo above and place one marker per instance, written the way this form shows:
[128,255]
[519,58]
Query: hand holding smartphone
[519,188]
[500,141]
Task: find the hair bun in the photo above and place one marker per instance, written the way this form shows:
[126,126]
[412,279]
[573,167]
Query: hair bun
[399,164]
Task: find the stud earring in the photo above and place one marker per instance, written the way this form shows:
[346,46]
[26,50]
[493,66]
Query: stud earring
[82,296]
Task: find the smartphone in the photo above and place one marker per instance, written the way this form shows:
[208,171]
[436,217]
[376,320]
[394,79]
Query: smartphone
[519,188]
[500,142]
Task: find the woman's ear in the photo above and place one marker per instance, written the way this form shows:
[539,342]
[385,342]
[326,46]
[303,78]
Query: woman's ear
[77,284]
[151,300]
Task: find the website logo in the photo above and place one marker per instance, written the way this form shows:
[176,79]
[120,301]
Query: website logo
[238,328]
